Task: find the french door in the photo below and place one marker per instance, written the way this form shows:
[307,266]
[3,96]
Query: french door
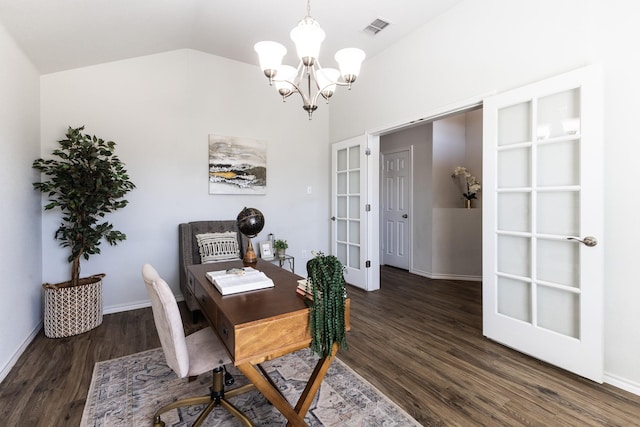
[351,223]
[543,221]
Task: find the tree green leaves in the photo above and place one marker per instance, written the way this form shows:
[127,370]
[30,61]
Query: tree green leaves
[86,180]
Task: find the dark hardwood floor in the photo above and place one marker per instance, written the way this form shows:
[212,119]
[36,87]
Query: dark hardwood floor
[417,340]
[420,341]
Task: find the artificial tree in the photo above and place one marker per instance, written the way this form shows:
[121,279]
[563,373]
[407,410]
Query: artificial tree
[86,182]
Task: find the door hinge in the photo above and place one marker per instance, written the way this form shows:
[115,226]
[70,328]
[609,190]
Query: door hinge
[367,207]
[367,151]
[367,264]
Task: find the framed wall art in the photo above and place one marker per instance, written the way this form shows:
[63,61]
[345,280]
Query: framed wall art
[237,165]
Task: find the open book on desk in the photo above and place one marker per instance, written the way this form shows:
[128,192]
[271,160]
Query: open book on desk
[237,280]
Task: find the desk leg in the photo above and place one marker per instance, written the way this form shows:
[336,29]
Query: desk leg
[273,395]
[304,402]
[295,416]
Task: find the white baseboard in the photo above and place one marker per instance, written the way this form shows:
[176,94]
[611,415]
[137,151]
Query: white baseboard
[622,383]
[132,306]
[19,351]
[437,276]
[126,307]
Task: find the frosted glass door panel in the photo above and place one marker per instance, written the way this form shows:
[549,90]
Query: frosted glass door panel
[354,232]
[354,207]
[559,311]
[342,253]
[342,183]
[354,182]
[354,157]
[354,257]
[514,124]
[558,213]
[514,299]
[514,255]
[341,206]
[341,160]
[514,212]
[558,262]
[559,163]
[559,113]
[341,230]
[514,168]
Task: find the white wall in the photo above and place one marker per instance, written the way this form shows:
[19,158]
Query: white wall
[478,48]
[457,141]
[457,244]
[449,151]
[457,232]
[473,148]
[20,265]
[159,110]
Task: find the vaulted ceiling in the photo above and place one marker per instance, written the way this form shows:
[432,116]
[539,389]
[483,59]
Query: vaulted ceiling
[63,34]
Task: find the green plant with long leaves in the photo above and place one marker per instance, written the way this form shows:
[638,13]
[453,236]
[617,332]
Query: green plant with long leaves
[86,181]
[327,306]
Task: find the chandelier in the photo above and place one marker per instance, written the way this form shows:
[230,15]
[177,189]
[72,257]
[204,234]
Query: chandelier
[309,79]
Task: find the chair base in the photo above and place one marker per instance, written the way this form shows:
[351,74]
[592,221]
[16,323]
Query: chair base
[217,397]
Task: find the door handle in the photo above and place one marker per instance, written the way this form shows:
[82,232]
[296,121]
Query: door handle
[405,216]
[589,241]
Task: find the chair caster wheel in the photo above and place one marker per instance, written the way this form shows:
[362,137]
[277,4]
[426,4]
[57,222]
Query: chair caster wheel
[157,422]
[228,378]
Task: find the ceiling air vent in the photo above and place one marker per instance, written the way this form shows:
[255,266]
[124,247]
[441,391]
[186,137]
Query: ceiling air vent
[376,26]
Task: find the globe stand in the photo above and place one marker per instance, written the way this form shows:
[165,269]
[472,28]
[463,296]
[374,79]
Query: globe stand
[250,255]
[250,222]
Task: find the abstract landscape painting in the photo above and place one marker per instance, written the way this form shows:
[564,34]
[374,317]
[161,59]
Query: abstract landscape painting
[237,165]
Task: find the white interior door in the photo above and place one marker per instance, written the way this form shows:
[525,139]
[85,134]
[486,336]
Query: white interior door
[542,287]
[349,209]
[396,225]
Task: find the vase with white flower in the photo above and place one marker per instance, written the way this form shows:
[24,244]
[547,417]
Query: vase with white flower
[468,184]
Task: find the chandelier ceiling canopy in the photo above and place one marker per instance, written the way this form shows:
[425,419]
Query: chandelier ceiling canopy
[309,79]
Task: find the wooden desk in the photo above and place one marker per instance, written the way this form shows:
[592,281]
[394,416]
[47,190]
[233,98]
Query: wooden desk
[261,325]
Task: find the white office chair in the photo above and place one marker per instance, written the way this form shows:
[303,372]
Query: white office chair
[192,355]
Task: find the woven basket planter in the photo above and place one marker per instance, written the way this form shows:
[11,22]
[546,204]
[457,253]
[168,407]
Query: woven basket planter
[71,310]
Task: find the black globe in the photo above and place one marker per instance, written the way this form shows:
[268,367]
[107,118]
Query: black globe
[250,222]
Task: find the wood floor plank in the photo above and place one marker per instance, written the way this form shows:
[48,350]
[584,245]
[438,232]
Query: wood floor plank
[417,340]
[447,373]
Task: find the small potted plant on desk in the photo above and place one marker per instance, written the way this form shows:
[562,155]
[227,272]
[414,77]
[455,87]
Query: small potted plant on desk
[86,181]
[281,248]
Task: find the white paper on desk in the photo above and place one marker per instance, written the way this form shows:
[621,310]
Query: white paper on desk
[231,283]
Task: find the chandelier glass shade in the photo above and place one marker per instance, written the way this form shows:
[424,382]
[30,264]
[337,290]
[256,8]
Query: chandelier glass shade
[309,79]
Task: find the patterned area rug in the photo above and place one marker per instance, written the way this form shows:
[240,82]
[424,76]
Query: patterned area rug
[127,391]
